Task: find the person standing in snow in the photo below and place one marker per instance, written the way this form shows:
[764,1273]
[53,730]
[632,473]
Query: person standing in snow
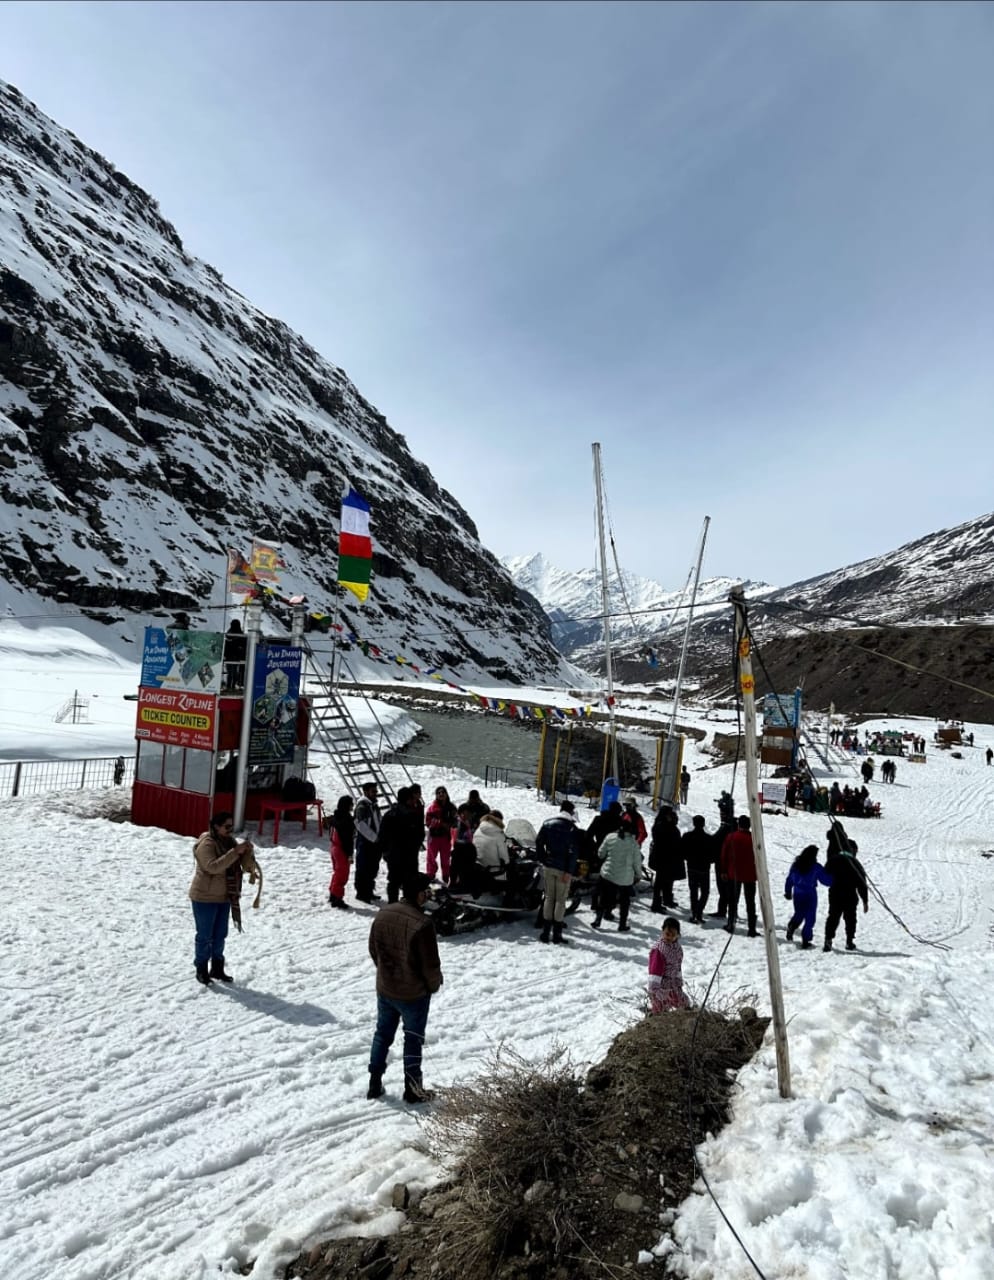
[342,826]
[848,886]
[738,866]
[698,850]
[620,871]
[665,859]
[636,819]
[990,755]
[684,784]
[215,888]
[558,847]
[801,885]
[441,820]
[404,948]
[367,844]
[666,970]
[401,833]
[475,808]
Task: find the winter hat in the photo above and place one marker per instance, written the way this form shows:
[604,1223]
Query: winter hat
[416,884]
[671,922]
[699,820]
[567,806]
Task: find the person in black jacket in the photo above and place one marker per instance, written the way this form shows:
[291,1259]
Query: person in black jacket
[848,886]
[665,859]
[699,852]
[558,847]
[401,832]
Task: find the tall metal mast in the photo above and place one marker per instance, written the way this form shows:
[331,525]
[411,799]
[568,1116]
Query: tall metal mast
[686,634]
[605,609]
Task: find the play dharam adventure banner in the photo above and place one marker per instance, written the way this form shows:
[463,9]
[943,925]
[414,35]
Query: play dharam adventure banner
[182,659]
[275,691]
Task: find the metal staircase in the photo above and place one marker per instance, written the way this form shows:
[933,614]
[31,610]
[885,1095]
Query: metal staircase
[333,726]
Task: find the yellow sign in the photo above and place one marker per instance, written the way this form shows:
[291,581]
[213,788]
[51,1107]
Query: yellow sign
[748,684]
[179,719]
[744,647]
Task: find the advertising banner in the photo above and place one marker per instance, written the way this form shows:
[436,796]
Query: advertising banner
[176,718]
[782,710]
[182,659]
[275,691]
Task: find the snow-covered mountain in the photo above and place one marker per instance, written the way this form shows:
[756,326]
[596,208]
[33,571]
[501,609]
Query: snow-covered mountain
[150,417]
[945,576]
[642,610]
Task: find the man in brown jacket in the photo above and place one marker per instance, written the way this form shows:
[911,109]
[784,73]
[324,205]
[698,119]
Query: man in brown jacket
[404,949]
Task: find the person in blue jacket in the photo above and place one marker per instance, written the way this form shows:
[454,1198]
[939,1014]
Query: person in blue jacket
[802,885]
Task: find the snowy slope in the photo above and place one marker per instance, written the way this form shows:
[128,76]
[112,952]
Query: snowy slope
[152,1130]
[944,576]
[150,417]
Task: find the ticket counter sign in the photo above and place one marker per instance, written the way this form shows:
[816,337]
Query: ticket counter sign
[176,718]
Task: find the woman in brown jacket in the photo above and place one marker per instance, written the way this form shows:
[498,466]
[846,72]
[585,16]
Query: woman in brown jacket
[216,884]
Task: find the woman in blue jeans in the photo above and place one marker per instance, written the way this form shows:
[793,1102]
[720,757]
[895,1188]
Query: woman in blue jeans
[217,883]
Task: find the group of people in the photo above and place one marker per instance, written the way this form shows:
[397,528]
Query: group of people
[852,802]
[844,877]
[365,836]
[402,942]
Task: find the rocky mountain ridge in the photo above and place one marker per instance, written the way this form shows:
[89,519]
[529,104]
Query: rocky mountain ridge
[150,417]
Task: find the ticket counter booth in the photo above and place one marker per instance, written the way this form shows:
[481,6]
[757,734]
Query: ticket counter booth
[189,734]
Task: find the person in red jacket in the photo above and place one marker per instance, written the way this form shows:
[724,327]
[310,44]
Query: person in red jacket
[738,869]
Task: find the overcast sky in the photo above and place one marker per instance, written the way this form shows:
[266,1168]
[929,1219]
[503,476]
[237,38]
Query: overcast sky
[747,247]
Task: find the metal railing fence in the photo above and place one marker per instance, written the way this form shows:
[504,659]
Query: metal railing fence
[32,777]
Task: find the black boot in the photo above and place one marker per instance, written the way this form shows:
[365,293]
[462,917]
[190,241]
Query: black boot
[546,930]
[375,1089]
[415,1092]
[217,970]
[557,934]
[202,975]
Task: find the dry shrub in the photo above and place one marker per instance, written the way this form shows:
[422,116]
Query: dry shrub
[543,1156]
[519,1134]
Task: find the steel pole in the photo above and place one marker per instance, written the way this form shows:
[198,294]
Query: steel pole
[747,685]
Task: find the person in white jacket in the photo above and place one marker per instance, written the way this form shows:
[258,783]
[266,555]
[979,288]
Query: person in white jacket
[491,844]
[620,870]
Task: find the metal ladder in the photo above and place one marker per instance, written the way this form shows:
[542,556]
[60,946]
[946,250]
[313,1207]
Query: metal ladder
[332,724]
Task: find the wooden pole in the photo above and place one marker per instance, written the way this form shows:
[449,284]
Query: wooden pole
[747,685]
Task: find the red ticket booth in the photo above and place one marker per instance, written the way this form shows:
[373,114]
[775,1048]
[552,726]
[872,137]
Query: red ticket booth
[188,738]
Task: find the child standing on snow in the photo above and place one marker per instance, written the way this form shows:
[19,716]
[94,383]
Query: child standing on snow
[802,885]
[666,970]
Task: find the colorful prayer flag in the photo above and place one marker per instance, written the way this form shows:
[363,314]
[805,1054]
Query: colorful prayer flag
[266,560]
[240,579]
[355,547]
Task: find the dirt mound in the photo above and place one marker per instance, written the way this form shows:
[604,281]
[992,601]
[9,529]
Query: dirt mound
[561,1175]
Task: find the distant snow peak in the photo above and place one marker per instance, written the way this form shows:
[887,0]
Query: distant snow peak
[640,611]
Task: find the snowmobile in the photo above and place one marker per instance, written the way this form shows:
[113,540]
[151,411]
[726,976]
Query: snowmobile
[476,897]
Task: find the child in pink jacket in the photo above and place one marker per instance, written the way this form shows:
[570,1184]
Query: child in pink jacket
[666,970]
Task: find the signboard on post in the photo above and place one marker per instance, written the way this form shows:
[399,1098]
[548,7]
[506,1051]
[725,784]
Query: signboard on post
[177,718]
[275,693]
[781,720]
[174,659]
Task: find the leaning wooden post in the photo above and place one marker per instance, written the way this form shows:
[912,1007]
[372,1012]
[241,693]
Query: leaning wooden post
[748,686]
